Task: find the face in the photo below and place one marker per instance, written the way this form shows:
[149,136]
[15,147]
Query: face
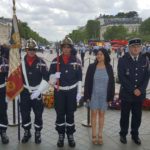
[66,49]
[135,49]
[100,57]
[31,53]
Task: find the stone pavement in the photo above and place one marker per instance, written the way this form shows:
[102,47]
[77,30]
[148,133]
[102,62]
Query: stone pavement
[83,134]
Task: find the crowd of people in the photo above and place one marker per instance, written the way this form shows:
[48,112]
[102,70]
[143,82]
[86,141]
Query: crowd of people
[65,75]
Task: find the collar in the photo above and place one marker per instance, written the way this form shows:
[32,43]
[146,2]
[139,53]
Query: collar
[30,60]
[66,58]
[133,57]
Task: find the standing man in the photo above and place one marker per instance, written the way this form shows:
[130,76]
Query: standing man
[67,91]
[133,76]
[35,74]
[3,103]
[82,51]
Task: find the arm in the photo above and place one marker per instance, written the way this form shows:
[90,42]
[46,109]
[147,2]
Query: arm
[86,85]
[112,85]
[144,84]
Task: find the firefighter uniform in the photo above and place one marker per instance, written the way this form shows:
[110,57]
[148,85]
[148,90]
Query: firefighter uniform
[3,103]
[133,74]
[65,102]
[34,74]
[65,99]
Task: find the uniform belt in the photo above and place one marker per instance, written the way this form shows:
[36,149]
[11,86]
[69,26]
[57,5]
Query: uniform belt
[32,87]
[2,85]
[66,88]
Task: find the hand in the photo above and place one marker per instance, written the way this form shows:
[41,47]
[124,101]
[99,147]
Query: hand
[137,92]
[109,103]
[78,97]
[57,75]
[35,94]
[52,79]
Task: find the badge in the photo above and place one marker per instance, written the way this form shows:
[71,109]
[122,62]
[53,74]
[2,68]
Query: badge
[127,72]
[37,66]
[74,66]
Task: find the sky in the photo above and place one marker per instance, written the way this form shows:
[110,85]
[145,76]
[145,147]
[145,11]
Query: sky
[53,19]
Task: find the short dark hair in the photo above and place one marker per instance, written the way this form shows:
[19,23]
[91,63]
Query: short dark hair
[106,55]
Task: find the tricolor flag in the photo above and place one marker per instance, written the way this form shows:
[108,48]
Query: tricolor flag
[15,81]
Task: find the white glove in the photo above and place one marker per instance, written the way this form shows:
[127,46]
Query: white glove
[52,79]
[78,97]
[57,75]
[35,94]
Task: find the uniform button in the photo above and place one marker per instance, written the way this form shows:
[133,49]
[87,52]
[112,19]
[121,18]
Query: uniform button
[136,74]
[136,80]
[136,68]
[135,86]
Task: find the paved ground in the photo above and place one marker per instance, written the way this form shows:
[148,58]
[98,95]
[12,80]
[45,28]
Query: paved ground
[83,134]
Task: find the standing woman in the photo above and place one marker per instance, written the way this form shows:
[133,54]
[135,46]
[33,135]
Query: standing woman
[99,91]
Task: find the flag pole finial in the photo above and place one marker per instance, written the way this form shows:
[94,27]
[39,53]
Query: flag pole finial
[14,7]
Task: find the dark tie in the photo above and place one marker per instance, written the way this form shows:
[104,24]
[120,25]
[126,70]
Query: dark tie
[135,59]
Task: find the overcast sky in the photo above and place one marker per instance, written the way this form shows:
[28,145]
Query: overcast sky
[53,19]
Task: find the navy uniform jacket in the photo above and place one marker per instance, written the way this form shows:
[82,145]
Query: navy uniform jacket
[3,75]
[132,75]
[36,72]
[71,72]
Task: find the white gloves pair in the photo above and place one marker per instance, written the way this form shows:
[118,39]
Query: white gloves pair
[54,77]
[44,85]
[79,90]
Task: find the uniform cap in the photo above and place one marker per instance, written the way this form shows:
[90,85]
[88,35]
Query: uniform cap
[135,41]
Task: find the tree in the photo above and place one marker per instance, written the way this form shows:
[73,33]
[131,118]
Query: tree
[26,32]
[145,27]
[93,29]
[115,32]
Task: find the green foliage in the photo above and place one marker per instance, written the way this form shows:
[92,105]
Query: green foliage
[130,14]
[78,35]
[26,32]
[145,27]
[93,29]
[116,32]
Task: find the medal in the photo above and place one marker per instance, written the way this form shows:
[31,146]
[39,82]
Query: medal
[74,66]
[127,72]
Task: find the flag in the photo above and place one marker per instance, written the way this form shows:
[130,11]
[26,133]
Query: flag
[14,82]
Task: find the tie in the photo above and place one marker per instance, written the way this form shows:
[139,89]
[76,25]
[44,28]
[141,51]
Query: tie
[135,59]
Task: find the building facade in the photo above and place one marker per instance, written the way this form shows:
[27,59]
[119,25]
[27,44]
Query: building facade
[131,24]
[5,30]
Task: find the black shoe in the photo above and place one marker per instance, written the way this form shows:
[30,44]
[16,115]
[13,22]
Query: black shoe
[4,137]
[71,141]
[123,139]
[37,137]
[26,137]
[60,142]
[136,140]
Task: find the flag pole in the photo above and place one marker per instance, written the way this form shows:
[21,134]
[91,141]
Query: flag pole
[18,100]
[58,65]
[13,123]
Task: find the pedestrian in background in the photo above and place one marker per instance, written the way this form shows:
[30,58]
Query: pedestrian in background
[99,91]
